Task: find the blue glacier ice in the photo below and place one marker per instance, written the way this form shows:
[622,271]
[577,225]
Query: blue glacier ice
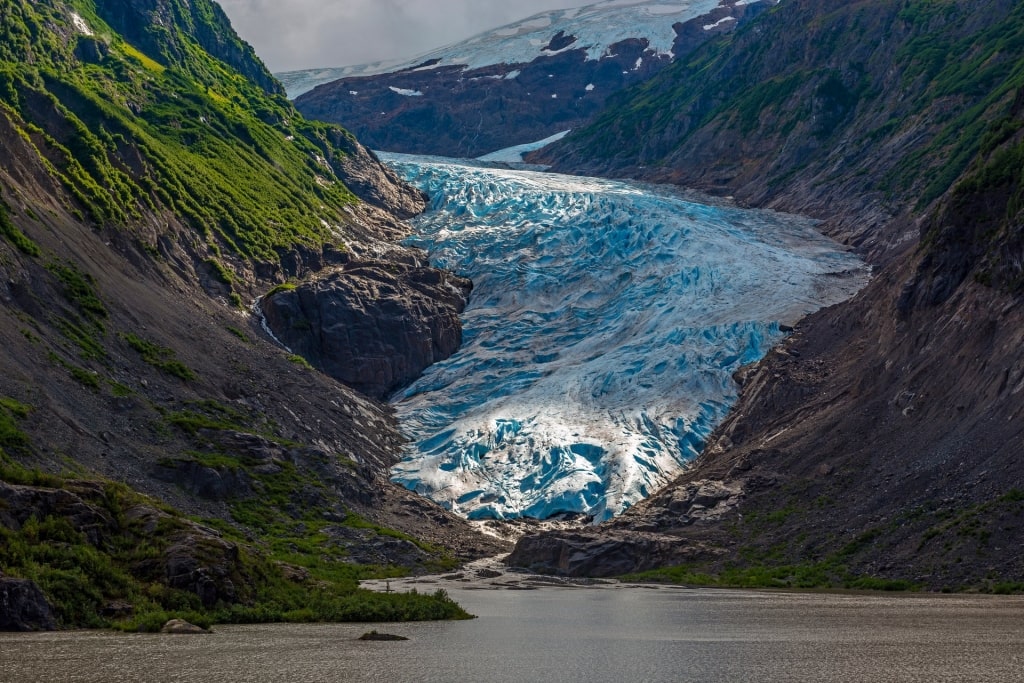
[605,325]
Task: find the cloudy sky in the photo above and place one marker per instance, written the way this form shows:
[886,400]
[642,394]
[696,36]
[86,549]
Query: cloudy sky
[297,34]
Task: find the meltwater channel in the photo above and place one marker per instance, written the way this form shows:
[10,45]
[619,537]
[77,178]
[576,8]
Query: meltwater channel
[601,337]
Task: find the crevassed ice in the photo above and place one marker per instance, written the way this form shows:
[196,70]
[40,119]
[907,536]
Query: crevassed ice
[601,337]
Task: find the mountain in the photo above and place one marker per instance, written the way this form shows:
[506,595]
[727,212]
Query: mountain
[515,84]
[159,452]
[880,446]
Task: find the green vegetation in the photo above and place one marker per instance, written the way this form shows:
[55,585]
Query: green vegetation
[12,439]
[982,69]
[283,287]
[300,361]
[160,357]
[15,236]
[240,334]
[805,576]
[222,273]
[79,288]
[117,554]
[225,152]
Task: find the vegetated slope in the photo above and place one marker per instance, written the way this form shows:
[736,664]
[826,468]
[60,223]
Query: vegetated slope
[157,452]
[881,446]
[515,84]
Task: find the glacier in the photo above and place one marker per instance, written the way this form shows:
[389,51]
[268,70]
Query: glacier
[601,337]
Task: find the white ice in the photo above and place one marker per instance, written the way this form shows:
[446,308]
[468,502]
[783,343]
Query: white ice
[514,155]
[601,337]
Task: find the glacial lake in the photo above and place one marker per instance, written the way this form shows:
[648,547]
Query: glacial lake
[607,633]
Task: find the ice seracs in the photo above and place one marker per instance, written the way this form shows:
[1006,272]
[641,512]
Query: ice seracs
[605,325]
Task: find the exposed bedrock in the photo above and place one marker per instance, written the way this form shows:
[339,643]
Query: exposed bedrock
[603,554]
[374,326]
[23,607]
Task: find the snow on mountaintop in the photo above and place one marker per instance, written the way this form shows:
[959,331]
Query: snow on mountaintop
[595,27]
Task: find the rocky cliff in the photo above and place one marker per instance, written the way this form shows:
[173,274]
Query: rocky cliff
[159,453]
[516,84]
[880,446]
[371,325]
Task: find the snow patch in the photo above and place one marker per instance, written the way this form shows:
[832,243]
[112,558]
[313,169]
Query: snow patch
[405,91]
[590,87]
[514,155]
[723,20]
[596,27]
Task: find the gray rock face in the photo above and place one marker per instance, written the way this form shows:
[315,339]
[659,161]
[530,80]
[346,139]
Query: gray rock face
[602,553]
[371,325]
[211,483]
[23,607]
[203,564]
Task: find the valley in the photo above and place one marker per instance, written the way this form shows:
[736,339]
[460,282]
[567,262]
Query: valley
[248,363]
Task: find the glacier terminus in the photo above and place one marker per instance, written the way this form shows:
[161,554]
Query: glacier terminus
[602,335]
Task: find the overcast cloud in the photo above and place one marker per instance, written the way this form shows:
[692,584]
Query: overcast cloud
[298,34]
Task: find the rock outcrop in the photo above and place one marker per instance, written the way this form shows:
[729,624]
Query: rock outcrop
[23,607]
[605,554]
[374,326]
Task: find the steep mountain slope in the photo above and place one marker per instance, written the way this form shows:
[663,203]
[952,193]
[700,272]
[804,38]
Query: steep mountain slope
[881,445]
[856,113]
[517,83]
[157,451]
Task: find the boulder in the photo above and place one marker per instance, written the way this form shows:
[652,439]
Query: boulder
[375,635]
[23,607]
[180,626]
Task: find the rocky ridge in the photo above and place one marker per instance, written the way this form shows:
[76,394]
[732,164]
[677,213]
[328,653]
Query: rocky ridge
[453,103]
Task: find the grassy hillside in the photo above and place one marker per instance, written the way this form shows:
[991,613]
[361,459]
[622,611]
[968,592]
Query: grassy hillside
[127,132]
[158,454]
